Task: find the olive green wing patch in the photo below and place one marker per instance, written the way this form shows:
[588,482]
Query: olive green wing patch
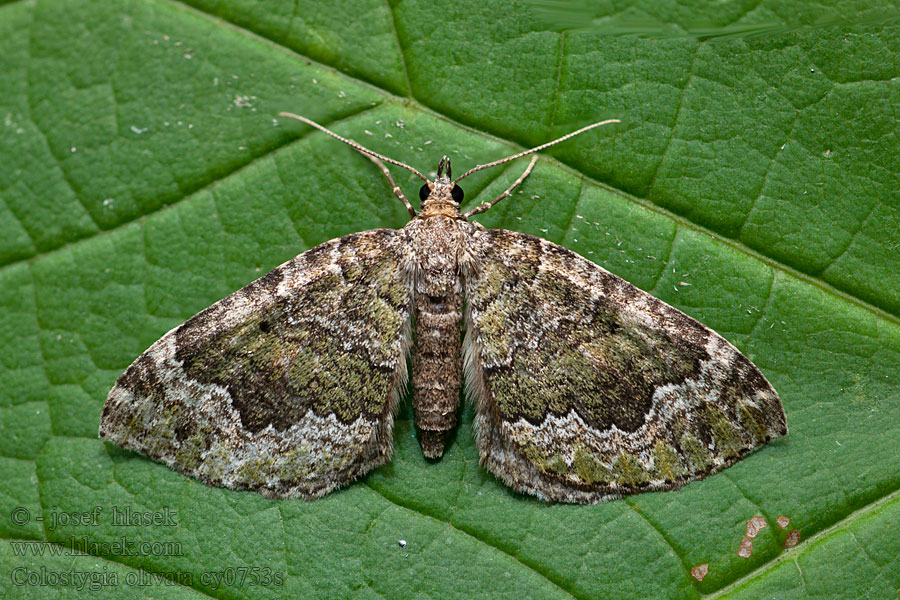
[587,388]
[287,386]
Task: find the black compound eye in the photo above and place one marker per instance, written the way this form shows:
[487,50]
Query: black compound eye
[457,194]
[423,192]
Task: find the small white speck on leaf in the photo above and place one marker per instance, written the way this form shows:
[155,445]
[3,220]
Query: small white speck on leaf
[244,101]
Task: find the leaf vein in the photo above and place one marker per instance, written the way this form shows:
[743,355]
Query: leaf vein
[473,536]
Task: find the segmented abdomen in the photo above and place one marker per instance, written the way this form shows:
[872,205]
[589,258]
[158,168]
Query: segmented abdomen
[437,368]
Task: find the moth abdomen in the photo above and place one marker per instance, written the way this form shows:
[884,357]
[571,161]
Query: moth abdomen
[437,368]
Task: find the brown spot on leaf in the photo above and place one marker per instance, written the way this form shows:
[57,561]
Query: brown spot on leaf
[746,548]
[700,571]
[783,521]
[754,525]
[792,539]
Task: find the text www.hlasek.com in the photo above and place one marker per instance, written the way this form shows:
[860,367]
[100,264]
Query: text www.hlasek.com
[120,547]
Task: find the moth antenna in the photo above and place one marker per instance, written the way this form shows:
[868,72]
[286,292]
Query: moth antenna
[533,150]
[356,146]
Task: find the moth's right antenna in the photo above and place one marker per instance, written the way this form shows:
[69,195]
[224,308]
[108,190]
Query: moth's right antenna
[533,150]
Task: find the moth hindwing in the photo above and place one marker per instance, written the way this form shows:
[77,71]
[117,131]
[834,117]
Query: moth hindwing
[585,387]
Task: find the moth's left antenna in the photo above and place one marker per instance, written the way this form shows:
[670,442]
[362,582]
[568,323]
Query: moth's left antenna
[356,146]
[374,156]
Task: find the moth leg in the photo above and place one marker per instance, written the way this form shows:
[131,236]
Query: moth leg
[488,205]
[394,187]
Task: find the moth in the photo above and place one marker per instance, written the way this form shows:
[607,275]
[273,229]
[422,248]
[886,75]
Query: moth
[585,388]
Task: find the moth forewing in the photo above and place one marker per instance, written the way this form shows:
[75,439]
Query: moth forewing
[289,385]
[585,388]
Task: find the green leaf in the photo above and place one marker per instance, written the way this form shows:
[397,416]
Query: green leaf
[144,174]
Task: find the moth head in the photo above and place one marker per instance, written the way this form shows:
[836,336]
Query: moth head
[442,189]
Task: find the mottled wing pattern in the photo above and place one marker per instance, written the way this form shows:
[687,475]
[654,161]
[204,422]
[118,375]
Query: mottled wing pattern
[287,386]
[587,388]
